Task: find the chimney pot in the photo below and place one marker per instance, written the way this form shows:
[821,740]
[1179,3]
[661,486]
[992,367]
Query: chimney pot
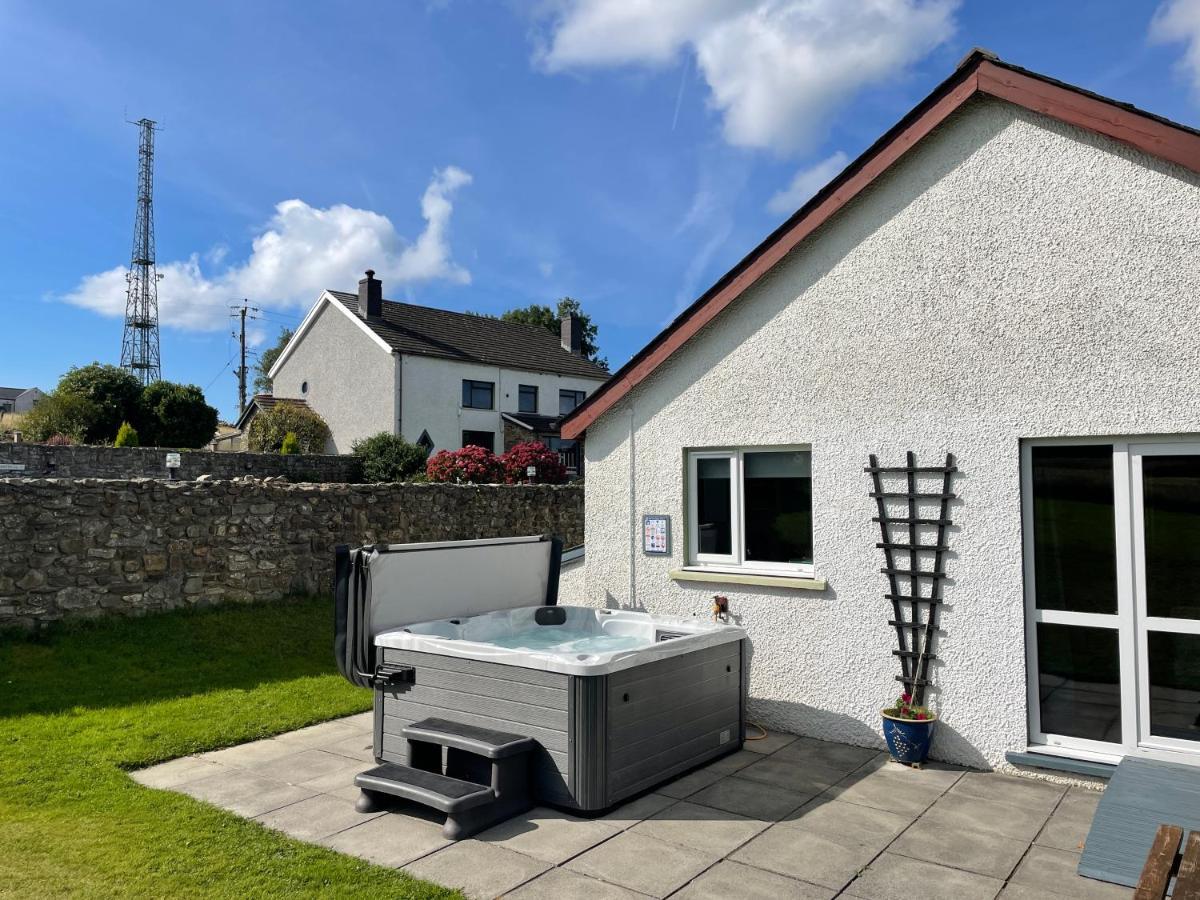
[571,334]
[370,296]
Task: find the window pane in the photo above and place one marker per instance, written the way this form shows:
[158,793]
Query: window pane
[1171,511]
[568,400]
[485,439]
[713,508]
[1079,681]
[1074,531]
[777,496]
[527,399]
[1174,685]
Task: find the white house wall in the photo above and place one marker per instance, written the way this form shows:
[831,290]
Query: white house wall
[1012,277]
[432,398]
[351,379]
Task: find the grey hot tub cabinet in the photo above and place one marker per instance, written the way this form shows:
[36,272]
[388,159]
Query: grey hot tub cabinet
[600,739]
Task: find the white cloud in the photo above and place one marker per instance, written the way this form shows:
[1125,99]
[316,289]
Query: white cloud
[806,183]
[775,69]
[302,250]
[1178,21]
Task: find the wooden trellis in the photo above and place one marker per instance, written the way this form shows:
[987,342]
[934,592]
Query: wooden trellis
[915,613]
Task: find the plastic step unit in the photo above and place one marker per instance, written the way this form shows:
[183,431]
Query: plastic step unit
[486,779]
[479,741]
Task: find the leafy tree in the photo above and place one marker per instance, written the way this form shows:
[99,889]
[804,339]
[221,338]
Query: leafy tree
[176,415]
[551,320]
[290,445]
[266,359]
[127,436]
[113,393]
[270,427]
[66,415]
[388,457]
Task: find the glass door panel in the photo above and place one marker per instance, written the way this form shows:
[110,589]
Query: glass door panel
[1079,681]
[1166,509]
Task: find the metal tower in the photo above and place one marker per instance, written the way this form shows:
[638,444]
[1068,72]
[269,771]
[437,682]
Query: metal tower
[139,343]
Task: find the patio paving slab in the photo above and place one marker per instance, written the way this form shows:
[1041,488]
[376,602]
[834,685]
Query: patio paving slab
[389,840]
[989,816]
[775,740]
[893,877]
[180,771]
[730,879]
[357,746]
[644,864]
[848,822]
[562,884]
[700,827]
[689,784]
[960,848]
[246,756]
[806,855]
[750,798]
[548,835]
[315,818]
[320,735]
[829,754]
[636,810]
[733,762]
[1027,792]
[905,792]
[245,793]
[477,869]
[801,776]
[303,765]
[1068,825]
[1055,872]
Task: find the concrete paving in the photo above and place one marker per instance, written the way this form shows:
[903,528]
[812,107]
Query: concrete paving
[786,817]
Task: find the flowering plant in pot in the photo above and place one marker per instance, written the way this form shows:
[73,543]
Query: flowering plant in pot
[908,730]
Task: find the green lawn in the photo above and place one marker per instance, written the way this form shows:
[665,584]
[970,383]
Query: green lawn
[82,706]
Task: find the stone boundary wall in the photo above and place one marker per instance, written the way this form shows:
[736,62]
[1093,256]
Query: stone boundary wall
[42,461]
[90,547]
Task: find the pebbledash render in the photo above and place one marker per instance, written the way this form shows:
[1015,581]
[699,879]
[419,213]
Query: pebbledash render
[1011,275]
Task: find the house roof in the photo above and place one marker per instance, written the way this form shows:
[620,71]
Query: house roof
[12,393]
[980,73]
[261,403]
[425,331]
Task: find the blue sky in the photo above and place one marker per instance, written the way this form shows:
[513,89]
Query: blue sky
[480,155]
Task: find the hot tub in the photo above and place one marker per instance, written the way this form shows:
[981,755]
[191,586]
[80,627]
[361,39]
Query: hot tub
[617,701]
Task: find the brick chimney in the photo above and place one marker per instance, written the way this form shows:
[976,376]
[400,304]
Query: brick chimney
[370,296]
[571,334]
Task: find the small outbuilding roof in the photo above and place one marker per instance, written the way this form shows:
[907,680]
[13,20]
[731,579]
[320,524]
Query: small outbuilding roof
[426,331]
[12,393]
[980,73]
[261,403]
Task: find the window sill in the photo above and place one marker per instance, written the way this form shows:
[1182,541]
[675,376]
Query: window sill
[755,579]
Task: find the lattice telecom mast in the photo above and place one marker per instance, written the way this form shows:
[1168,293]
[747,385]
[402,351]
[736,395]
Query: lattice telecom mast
[139,344]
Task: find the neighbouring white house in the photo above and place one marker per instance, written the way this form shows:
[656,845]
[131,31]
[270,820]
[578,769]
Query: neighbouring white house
[18,400]
[1010,275]
[438,378]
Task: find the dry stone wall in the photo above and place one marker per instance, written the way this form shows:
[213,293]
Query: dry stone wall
[42,461]
[90,547]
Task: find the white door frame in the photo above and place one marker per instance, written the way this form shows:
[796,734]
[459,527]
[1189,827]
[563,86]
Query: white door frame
[1145,622]
[1130,583]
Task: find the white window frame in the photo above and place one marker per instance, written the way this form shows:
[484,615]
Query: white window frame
[734,561]
[1129,620]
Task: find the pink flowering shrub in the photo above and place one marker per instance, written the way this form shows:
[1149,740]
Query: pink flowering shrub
[520,457]
[470,465]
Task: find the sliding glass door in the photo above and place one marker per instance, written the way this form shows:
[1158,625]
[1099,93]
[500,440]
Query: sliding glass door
[1112,571]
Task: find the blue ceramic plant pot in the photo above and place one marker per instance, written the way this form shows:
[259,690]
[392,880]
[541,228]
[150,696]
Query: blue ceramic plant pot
[908,740]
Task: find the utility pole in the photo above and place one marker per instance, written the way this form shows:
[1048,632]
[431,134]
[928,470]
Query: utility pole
[241,313]
[139,342]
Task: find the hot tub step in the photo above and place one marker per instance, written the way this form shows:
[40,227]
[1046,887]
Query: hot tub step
[481,741]
[449,795]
